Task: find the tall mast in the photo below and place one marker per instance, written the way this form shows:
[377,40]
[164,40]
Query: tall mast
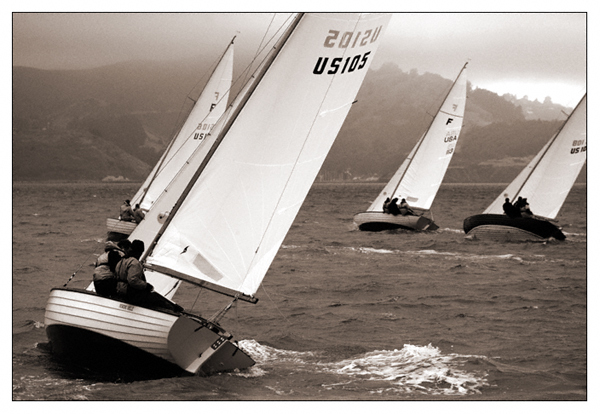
[276,50]
[162,159]
[428,128]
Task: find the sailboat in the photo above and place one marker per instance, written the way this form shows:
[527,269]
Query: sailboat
[545,183]
[419,177]
[207,109]
[225,229]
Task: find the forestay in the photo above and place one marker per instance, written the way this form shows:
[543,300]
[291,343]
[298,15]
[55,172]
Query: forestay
[419,177]
[209,107]
[548,178]
[236,215]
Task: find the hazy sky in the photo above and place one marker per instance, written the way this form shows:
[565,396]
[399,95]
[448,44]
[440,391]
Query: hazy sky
[534,54]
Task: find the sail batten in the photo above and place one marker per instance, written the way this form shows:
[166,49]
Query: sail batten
[242,202]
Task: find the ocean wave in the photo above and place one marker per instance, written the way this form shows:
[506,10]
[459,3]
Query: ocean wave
[412,369]
[28,388]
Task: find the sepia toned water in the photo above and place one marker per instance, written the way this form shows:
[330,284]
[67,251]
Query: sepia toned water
[342,314]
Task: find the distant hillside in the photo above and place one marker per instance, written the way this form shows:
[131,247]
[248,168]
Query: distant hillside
[117,120]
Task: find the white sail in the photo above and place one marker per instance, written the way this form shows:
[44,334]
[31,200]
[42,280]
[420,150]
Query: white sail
[548,178]
[231,224]
[209,107]
[206,112]
[419,177]
[147,230]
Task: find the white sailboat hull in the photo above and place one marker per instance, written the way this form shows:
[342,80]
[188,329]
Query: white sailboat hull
[377,221]
[85,327]
[120,226]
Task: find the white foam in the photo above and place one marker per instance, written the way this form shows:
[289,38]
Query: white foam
[422,369]
[448,230]
[372,250]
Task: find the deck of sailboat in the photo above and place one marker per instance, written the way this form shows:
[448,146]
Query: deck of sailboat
[120,226]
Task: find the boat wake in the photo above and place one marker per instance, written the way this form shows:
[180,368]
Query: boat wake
[449,230]
[431,252]
[412,369]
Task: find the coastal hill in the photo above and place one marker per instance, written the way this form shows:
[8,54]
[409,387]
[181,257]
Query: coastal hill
[115,121]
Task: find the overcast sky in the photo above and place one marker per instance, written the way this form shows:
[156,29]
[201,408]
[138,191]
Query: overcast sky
[533,54]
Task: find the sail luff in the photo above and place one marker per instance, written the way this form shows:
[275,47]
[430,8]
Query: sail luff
[222,134]
[157,169]
[410,159]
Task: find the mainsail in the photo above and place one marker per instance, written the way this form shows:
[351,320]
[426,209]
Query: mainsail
[241,203]
[209,107]
[548,178]
[147,230]
[419,177]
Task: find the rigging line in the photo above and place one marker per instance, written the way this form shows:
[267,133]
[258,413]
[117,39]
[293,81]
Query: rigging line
[260,44]
[247,70]
[261,48]
[298,157]
[219,315]
[212,68]
[173,287]
[197,297]
[180,123]
[275,304]
[81,265]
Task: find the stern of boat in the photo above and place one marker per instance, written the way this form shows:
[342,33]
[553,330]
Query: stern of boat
[120,227]
[201,347]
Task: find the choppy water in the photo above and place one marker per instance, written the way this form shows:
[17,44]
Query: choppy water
[343,314]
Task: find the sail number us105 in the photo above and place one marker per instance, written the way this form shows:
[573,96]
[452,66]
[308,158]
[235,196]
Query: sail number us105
[345,40]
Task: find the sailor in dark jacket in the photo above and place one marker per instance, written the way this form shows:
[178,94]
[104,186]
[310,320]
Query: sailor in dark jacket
[105,279]
[132,285]
[393,207]
[510,210]
[126,212]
